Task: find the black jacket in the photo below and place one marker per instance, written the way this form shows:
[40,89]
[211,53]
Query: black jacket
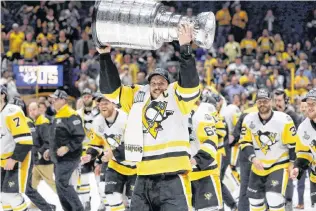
[67,130]
[41,140]
[296,118]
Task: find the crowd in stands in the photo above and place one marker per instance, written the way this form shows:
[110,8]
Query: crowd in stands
[240,61]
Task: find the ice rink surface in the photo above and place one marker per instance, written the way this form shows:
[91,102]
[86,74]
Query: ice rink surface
[52,198]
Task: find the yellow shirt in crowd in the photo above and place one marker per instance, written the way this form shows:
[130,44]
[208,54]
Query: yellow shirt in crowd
[232,50]
[223,17]
[240,19]
[16,40]
[266,43]
[28,50]
[248,44]
[301,80]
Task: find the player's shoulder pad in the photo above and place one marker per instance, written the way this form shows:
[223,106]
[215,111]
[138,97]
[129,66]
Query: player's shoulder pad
[249,117]
[304,125]
[282,117]
[11,109]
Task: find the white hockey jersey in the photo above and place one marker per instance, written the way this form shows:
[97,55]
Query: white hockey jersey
[204,142]
[306,146]
[228,113]
[104,134]
[269,140]
[87,120]
[13,130]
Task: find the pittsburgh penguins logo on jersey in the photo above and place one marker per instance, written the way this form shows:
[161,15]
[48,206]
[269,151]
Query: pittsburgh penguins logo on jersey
[113,140]
[154,115]
[265,140]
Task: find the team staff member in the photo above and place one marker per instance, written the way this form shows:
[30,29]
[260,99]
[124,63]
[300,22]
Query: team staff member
[43,168]
[15,152]
[154,136]
[65,150]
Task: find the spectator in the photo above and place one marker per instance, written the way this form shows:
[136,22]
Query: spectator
[265,42]
[165,53]
[278,46]
[50,20]
[82,46]
[141,78]
[29,48]
[237,68]
[277,79]
[210,61]
[297,49]
[26,28]
[45,52]
[268,21]
[304,67]
[248,44]
[311,26]
[261,80]
[40,12]
[189,12]
[301,82]
[234,88]
[308,50]
[232,48]
[73,20]
[125,75]
[45,34]
[16,38]
[223,18]
[222,56]
[62,49]
[289,56]
[239,22]
[132,67]
[151,63]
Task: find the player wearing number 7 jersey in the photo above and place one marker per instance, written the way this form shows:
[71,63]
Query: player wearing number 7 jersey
[15,152]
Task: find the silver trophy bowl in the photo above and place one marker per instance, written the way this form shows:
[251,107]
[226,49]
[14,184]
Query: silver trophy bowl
[145,24]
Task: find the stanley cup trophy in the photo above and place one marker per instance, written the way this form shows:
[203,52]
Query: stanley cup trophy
[146,24]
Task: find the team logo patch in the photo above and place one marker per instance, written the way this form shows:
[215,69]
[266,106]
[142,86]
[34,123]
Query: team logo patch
[154,115]
[11,184]
[274,183]
[265,140]
[306,136]
[208,196]
[208,117]
[113,140]
[76,122]
[289,118]
[11,110]
[252,126]
[101,129]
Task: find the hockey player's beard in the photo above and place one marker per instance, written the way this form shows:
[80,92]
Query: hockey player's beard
[263,109]
[88,104]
